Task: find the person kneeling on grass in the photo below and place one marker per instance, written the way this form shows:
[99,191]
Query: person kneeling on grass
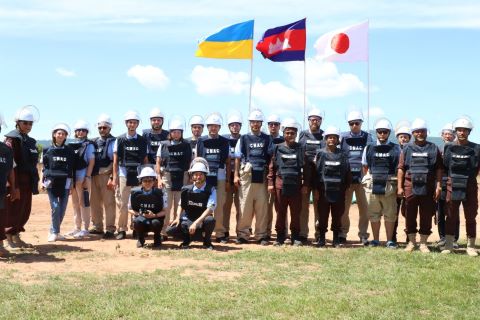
[198,201]
[148,206]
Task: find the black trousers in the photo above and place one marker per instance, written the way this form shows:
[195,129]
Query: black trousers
[143,225]
[206,228]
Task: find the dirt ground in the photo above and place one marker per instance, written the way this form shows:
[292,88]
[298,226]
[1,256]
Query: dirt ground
[95,255]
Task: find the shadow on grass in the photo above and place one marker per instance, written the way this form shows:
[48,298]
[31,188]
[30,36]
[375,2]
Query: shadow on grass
[43,253]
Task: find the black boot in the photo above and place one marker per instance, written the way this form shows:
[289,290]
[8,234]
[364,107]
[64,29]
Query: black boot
[336,241]
[157,240]
[321,240]
[280,240]
[141,241]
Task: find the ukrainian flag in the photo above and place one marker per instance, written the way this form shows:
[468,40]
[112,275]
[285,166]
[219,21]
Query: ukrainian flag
[232,42]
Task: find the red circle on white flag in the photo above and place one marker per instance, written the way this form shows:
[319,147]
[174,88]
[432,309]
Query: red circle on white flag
[340,43]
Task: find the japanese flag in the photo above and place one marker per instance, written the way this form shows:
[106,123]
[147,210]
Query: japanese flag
[348,44]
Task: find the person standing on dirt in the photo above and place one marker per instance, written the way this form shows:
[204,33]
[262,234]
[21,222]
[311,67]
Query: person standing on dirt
[25,155]
[155,135]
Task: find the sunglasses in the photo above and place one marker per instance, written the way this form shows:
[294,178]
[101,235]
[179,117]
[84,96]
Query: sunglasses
[354,123]
[27,123]
[82,130]
[315,119]
[102,128]
[273,124]
[383,131]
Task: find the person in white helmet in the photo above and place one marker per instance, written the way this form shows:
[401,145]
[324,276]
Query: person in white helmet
[58,174]
[84,162]
[448,135]
[173,161]
[196,126]
[353,142]
[6,175]
[234,122]
[252,154]
[380,162]
[216,150]
[25,155]
[285,180]
[332,179]
[198,202]
[462,163]
[102,196]
[312,140]
[129,152]
[419,177]
[155,134]
[148,206]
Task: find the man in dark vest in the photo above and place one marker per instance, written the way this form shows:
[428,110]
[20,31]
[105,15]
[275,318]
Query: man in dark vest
[285,180]
[198,202]
[353,142]
[216,150]
[312,141]
[102,197]
[252,157]
[129,152]
[148,206]
[155,134]
[25,155]
[419,180]
[462,163]
[196,125]
[380,161]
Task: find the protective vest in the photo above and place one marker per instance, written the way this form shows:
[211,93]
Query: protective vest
[312,143]
[255,151]
[419,162]
[58,165]
[176,160]
[277,140]
[354,146]
[6,165]
[194,203]
[332,168]
[141,202]
[216,152]
[80,147]
[153,142]
[289,163]
[28,162]
[131,153]
[193,144]
[461,163]
[101,153]
[382,162]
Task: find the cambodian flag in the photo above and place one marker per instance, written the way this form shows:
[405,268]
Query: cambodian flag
[285,43]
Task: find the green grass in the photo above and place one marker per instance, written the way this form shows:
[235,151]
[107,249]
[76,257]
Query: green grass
[288,283]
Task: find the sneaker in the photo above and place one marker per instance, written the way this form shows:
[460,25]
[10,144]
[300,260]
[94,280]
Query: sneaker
[121,235]
[224,240]
[185,245]
[391,245]
[263,242]
[297,243]
[365,242]
[78,235]
[208,245]
[241,241]
[441,243]
[52,237]
[373,243]
[320,243]
[342,240]
[455,245]
[108,235]
[61,237]
[278,243]
[72,233]
[95,231]
[84,233]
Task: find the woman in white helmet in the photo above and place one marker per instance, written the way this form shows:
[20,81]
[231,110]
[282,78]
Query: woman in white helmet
[83,165]
[58,172]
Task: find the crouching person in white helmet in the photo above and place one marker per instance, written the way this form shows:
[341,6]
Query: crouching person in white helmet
[198,201]
[148,206]
[380,161]
[462,163]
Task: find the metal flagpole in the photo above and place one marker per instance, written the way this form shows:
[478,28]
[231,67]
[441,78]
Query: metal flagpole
[368,76]
[304,92]
[251,77]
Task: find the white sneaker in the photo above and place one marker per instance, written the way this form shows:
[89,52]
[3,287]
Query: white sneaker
[78,234]
[84,233]
[455,245]
[60,237]
[72,233]
[52,237]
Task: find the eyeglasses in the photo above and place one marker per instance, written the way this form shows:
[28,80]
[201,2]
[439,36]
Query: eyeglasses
[273,124]
[383,131]
[81,130]
[354,123]
[315,119]
[102,128]
[27,123]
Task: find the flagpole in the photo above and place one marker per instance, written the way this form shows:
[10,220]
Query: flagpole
[304,91]
[368,76]
[251,77]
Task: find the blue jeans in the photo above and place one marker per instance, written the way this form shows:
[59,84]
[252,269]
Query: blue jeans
[59,206]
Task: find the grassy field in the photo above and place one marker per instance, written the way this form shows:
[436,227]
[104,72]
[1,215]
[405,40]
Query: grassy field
[283,283]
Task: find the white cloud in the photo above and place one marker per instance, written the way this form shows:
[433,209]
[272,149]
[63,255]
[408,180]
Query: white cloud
[277,97]
[215,81]
[149,76]
[65,72]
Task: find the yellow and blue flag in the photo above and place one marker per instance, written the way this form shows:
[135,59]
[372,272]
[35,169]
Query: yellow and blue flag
[232,42]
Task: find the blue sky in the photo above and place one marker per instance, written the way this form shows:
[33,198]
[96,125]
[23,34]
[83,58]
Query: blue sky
[77,59]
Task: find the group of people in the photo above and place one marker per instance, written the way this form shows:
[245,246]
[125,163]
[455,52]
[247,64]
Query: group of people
[185,188]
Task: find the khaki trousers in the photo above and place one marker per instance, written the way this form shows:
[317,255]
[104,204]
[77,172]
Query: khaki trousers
[122,194]
[362,209]
[80,212]
[102,199]
[219,213]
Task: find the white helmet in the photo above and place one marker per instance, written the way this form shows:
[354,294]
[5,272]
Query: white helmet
[176,123]
[290,123]
[27,113]
[256,115]
[331,131]
[131,115]
[314,112]
[214,118]
[383,123]
[463,122]
[104,119]
[355,115]
[156,113]
[274,118]
[81,124]
[199,164]
[196,119]
[61,126]
[2,120]
[448,127]
[418,124]
[147,171]
[234,117]
[403,130]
